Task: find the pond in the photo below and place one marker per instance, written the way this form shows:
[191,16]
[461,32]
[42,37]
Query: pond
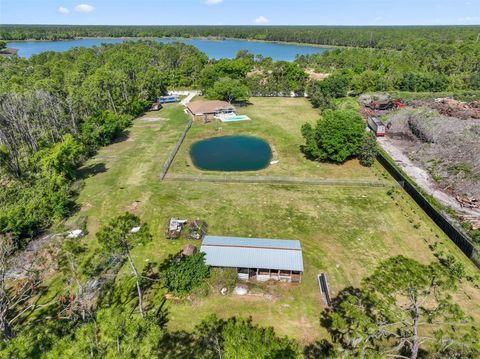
[215,49]
[231,153]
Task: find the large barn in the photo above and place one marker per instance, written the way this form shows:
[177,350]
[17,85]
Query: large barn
[202,110]
[256,258]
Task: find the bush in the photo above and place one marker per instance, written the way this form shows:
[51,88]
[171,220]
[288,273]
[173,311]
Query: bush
[101,129]
[26,208]
[337,136]
[181,274]
[368,151]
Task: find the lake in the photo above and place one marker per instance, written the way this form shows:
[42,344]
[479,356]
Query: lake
[231,153]
[215,49]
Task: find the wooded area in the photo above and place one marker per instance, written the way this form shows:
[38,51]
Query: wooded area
[392,37]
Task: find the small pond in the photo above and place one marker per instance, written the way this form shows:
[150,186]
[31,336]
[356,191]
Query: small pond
[231,153]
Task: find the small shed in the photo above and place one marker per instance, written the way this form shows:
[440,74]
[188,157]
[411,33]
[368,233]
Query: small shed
[257,259]
[204,110]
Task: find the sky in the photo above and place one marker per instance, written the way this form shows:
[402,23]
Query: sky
[241,12]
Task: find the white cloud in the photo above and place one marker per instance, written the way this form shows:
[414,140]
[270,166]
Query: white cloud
[213,2]
[261,20]
[469,18]
[84,8]
[63,10]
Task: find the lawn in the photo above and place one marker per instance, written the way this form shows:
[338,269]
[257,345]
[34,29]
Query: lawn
[344,231]
[277,120]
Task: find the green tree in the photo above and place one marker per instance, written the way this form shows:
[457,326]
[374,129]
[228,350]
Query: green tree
[240,338]
[368,151]
[230,90]
[319,99]
[60,162]
[337,136]
[181,274]
[114,334]
[121,235]
[335,86]
[403,306]
[3,45]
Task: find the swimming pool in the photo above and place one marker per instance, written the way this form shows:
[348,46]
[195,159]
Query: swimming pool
[234,118]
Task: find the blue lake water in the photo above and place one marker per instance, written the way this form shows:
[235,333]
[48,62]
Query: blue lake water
[231,153]
[213,48]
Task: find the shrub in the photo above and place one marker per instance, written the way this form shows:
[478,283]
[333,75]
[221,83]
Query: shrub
[338,135]
[368,151]
[181,274]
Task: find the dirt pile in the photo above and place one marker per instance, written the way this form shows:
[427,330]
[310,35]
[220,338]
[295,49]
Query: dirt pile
[452,108]
[447,147]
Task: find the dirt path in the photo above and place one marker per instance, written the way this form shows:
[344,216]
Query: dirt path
[423,178]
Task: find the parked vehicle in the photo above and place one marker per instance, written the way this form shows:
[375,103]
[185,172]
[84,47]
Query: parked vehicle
[376,126]
[156,106]
[169,99]
[385,105]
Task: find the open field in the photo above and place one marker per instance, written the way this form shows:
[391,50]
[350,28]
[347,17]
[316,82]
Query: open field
[344,231]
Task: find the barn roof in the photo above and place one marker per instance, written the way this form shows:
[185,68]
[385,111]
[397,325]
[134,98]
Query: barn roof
[240,252]
[201,107]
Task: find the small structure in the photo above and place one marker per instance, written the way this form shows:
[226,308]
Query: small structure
[207,110]
[168,99]
[256,258]
[175,226]
[197,229]
[324,290]
[376,126]
[156,106]
[189,250]
[8,52]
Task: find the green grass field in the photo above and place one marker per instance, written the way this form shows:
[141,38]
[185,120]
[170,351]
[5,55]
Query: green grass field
[344,231]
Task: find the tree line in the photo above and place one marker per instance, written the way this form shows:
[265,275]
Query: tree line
[57,109]
[419,67]
[392,37]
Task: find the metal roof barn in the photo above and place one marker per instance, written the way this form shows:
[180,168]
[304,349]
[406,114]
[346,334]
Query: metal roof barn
[236,252]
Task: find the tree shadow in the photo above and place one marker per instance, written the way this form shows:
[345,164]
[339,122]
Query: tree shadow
[91,170]
[121,137]
[320,349]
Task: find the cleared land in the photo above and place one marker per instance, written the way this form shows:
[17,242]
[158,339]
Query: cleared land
[344,231]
